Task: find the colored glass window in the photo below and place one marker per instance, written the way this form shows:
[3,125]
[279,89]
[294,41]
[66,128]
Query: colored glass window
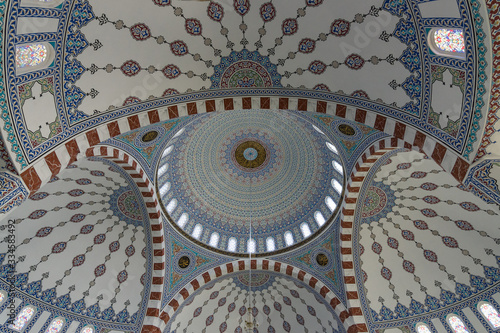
[23,318]
[457,325]
[55,326]
[491,314]
[30,55]
[271,246]
[450,40]
[87,329]
[423,328]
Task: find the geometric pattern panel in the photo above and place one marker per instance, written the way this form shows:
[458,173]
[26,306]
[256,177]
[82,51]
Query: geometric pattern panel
[83,246]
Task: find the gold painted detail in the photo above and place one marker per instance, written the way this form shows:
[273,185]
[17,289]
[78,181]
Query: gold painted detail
[346,129]
[149,136]
[250,164]
[322,259]
[184,262]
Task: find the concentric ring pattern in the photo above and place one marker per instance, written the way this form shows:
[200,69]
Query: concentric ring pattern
[270,170]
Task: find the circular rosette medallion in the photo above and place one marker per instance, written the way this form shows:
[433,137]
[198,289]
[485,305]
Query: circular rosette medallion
[258,172]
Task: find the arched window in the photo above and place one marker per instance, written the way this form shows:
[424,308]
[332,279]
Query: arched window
[56,325]
[231,244]
[306,231]
[33,57]
[490,314]
[183,220]
[164,189]
[178,133]
[41,3]
[320,219]
[87,329]
[171,206]
[197,231]
[336,186]
[331,204]
[318,130]
[162,170]
[214,239]
[422,328]
[167,151]
[251,246]
[289,238]
[23,318]
[456,324]
[3,296]
[447,42]
[332,147]
[338,167]
[270,244]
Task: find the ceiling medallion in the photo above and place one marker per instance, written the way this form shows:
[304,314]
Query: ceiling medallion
[250,181]
[184,262]
[322,259]
[250,154]
[346,129]
[245,69]
[149,136]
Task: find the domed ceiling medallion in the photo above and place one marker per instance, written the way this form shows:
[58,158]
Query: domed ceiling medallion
[250,181]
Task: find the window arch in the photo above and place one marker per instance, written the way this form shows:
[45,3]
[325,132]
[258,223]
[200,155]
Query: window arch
[456,324]
[171,206]
[270,244]
[164,189]
[23,318]
[198,229]
[33,57]
[422,328]
[490,314]
[447,42]
[337,166]
[87,329]
[306,231]
[320,219]
[331,204]
[162,170]
[214,239]
[251,246]
[336,185]
[56,325]
[231,244]
[181,222]
[41,3]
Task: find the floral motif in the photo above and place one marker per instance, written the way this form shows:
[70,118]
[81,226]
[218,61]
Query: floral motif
[289,26]
[130,68]
[193,26]
[140,32]
[267,12]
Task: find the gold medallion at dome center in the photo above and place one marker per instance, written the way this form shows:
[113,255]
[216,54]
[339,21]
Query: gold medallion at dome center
[240,158]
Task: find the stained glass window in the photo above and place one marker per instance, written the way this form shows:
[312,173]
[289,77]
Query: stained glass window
[490,313]
[87,329]
[423,328]
[450,40]
[171,206]
[55,326]
[457,324]
[23,318]
[336,185]
[338,167]
[30,55]
[2,297]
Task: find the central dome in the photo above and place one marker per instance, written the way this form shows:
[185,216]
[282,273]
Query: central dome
[250,181]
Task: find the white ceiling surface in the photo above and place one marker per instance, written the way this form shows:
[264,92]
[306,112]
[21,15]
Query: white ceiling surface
[119,46]
[475,242]
[65,230]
